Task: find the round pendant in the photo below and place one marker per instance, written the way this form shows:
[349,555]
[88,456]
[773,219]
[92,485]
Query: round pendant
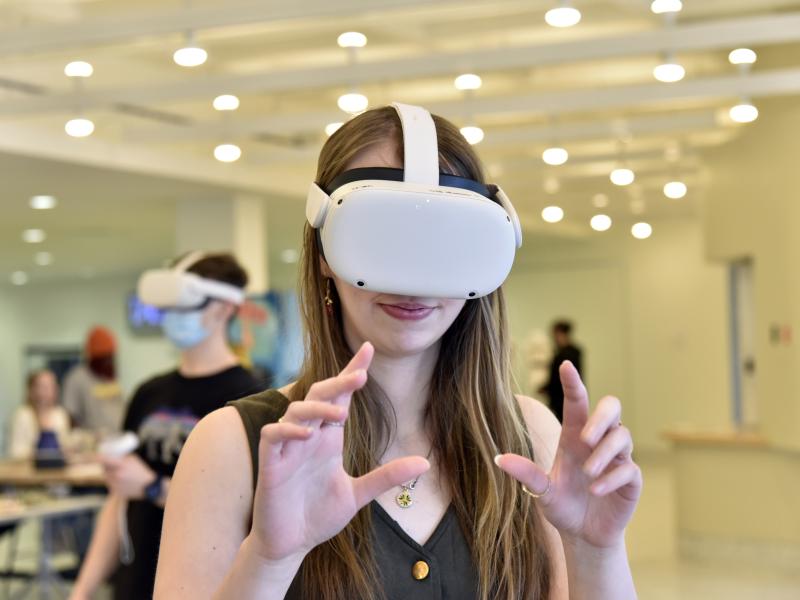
[404,499]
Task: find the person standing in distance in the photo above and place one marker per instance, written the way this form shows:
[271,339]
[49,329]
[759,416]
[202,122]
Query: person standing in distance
[565,350]
[162,412]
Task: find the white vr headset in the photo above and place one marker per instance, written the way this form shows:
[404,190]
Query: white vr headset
[176,288]
[415,231]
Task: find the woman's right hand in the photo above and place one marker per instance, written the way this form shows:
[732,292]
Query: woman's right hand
[303,495]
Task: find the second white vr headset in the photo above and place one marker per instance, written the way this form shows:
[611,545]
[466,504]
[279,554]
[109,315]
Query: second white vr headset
[415,231]
[177,288]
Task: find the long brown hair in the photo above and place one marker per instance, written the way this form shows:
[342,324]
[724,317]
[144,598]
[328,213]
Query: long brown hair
[471,412]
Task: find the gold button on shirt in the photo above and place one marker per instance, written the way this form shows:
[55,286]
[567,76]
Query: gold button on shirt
[420,570]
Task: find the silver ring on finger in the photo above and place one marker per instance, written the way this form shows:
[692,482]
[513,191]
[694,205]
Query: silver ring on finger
[332,424]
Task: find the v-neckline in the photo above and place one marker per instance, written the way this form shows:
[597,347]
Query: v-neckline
[438,531]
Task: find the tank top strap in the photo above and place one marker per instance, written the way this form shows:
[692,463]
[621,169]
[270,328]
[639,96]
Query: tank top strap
[256,411]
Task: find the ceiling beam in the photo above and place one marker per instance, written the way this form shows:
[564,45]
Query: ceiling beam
[724,34]
[777,82]
[28,140]
[120,28]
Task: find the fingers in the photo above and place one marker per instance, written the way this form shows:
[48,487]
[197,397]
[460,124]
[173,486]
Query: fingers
[526,472]
[608,414]
[313,412]
[576,400]
[616,444]
[337,389]
[394,473]
[275,435]
[361,359]
[626,480]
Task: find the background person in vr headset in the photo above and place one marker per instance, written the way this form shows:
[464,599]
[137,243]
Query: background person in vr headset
[273,497]
[162,412]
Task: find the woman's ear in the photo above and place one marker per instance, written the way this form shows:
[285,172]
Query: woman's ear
[323,266]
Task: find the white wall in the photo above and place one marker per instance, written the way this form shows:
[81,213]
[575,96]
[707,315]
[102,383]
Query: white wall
[652,317]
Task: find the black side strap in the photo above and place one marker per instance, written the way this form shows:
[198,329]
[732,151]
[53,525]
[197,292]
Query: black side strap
[391,174]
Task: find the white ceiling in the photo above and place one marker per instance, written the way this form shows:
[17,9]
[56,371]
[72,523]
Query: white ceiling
[589,88]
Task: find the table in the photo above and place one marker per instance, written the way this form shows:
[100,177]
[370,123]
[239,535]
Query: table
[47,511]
[22,473]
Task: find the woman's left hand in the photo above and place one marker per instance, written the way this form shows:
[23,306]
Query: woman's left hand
[594,485]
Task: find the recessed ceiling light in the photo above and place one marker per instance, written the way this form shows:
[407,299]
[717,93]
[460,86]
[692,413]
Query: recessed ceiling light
[675,190]
[79,128]
[563,16]
[669,72]
[552,214]
[352,39]
[555,156]
[43,202]
[19,278]
[642,231]
[666,6]
[622,176]
[227,153]
[601,222]
[473,134]
[332,128]
[226,102]
[78,68]
[744,113]
[191,55]
[34,236]
[353,102]
[43,259]
[742,56]
[468,81]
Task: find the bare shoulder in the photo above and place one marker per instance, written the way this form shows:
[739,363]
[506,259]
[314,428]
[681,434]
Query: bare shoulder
[543,427]
[217,443]
[208,509]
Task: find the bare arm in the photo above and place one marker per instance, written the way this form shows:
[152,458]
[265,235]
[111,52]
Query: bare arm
[206,521]
[103,555]
[581,570]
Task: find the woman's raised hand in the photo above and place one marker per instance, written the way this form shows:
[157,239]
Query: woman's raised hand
[303,495]
[594,485]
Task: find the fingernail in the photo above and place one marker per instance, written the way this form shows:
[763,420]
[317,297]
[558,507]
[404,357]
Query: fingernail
[497,459]
[310,430]
[598,488]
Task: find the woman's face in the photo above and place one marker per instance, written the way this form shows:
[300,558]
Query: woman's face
[44,390]
[396,325]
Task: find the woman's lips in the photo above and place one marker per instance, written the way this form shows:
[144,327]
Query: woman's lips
[407,311]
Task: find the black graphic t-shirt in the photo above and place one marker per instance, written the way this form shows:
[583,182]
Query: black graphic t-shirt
[163,412]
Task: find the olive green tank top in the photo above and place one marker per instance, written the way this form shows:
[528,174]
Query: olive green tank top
[440,569]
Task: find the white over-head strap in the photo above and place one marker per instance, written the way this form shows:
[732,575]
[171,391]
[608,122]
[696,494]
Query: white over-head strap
[187,261]
[420,146]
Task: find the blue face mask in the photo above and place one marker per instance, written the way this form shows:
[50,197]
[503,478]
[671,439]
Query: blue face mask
[185,329]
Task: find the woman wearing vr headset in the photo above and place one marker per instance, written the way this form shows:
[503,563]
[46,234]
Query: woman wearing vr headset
[400,463]
[199,297]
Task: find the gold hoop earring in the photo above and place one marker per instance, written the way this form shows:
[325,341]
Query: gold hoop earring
[328,299]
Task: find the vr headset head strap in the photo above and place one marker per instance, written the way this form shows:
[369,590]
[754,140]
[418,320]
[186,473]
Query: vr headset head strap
[187,261]
[420,145]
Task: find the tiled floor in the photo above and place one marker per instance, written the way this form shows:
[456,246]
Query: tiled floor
[652,544]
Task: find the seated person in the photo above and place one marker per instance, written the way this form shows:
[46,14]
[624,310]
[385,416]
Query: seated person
[41,412]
